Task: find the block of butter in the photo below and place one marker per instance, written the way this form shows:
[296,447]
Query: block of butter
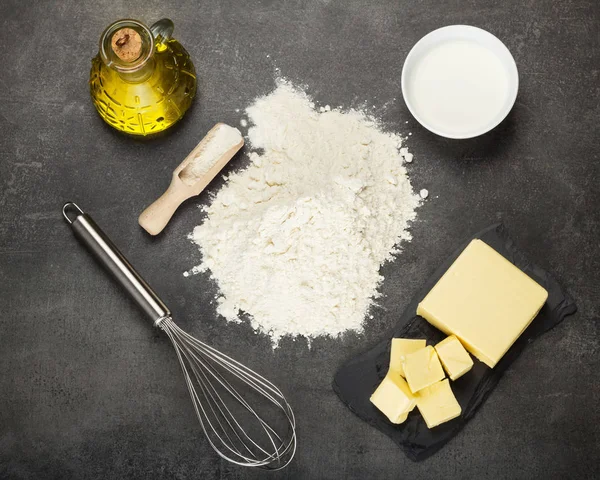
[438,404]
[455,359]
[484,300]
[393,397]
[422,368]
[400,348]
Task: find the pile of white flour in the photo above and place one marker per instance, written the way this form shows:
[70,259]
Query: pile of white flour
[297,239]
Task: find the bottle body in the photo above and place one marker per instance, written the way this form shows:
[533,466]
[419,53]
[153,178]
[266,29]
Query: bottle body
[149,98]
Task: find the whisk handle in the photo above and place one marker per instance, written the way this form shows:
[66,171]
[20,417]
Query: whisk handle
[107,254]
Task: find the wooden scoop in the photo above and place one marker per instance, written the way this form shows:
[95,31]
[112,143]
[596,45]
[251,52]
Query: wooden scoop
[190,178]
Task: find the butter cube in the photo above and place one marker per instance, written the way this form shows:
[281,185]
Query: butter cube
[422,368]
[455,359]
[438,404]
[485,300]
[393,398]
[400,348]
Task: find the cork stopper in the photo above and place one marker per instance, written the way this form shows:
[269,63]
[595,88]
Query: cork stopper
[127,44]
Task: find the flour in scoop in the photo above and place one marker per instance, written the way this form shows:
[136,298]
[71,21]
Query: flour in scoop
[459,87]
[223,138]
[296,240]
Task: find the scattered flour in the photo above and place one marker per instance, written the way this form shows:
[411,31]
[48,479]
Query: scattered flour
[296,240]
[406,155]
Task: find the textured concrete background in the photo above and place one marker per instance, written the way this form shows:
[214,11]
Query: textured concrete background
[89,390]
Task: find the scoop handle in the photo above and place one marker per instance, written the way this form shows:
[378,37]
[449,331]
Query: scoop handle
[155,218]
[109,256]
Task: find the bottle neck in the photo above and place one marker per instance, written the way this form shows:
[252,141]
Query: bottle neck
[127,46]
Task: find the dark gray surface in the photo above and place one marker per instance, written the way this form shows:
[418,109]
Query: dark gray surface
[89,390]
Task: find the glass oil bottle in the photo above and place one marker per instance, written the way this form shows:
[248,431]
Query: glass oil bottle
[142,81]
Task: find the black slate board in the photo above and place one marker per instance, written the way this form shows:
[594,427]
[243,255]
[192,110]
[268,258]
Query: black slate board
[355,382]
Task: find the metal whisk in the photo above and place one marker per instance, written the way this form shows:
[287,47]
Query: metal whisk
[211,376]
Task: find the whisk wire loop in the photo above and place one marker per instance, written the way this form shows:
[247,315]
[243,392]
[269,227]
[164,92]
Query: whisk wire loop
[204,369]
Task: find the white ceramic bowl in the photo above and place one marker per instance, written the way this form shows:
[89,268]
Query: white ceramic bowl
[473,35]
